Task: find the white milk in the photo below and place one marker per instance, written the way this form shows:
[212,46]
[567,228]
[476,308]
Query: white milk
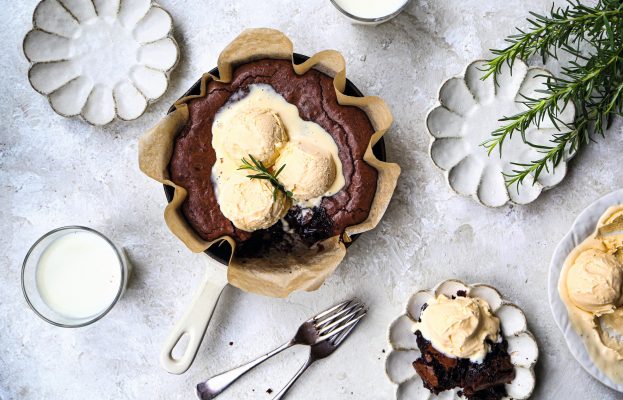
[370,8]
[79,275]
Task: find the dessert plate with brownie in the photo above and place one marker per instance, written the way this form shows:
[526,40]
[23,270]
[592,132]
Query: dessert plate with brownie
[270,168]
[586,289]
[460,341]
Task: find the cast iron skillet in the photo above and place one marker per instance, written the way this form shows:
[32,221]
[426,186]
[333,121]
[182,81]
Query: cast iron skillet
[222,252]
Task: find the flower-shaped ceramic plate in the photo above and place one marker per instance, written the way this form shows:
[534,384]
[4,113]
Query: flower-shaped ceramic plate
[469,110]
[100,59]
[583,227]
[521,344]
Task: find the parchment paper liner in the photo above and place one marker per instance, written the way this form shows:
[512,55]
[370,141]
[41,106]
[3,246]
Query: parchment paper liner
[276,275]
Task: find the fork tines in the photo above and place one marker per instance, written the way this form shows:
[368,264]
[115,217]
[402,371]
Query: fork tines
[337,322]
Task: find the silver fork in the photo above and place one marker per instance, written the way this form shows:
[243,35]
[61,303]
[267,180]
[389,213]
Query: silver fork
[315,330]
[324,349]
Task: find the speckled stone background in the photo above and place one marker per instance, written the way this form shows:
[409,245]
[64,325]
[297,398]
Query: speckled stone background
[56,171]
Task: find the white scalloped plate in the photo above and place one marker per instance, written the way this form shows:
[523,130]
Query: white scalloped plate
[100,59]
[522,347]
[582,227]
[468,111]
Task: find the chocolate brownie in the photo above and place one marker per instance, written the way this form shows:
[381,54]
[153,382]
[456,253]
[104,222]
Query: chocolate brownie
[314,96]
[479,381]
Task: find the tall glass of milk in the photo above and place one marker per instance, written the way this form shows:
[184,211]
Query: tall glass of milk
[73,276]
[370,12]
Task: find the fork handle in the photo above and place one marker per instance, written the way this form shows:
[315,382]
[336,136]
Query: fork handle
[215,385]
[282,393]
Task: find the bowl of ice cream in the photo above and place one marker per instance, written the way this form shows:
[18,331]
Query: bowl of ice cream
[458,341]
[586,289]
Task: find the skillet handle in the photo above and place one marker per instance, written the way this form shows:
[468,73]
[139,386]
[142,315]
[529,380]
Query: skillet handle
[195,320]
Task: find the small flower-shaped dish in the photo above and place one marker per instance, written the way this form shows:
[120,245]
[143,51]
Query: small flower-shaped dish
[100,59]
[521,344]
[582,227]
[468,112]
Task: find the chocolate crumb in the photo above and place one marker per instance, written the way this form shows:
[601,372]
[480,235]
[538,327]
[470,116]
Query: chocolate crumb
[231,343]
[461,293]
[269,391]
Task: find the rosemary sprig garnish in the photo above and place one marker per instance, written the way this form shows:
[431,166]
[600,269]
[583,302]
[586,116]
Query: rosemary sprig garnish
[264,173]
[592,81]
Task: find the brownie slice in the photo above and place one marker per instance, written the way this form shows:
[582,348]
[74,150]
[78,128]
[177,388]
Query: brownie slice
[438,372]
[484,381]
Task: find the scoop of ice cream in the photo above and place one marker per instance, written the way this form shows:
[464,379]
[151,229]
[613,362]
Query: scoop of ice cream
[610,328]
[249,203]
[612,217]
[594,282]
[258,132]
[309,170]
[614,242]
[458,327]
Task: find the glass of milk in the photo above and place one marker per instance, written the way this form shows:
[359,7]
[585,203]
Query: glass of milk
[73,276]
[370,12]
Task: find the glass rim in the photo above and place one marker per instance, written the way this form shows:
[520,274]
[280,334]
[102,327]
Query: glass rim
[98,316]
[370,20]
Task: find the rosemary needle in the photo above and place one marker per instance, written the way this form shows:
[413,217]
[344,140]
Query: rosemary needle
[262,172]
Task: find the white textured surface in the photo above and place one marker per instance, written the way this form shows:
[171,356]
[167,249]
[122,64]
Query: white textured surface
[55,171]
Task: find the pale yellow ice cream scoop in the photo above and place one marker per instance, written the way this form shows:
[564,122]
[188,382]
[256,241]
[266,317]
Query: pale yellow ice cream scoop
[459,327]
[256,131]
[610,328]
[594,282]
[309,170]
[249,203]
[610,233]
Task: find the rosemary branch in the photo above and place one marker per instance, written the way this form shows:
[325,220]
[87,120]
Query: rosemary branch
[592,81]
[264,173]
